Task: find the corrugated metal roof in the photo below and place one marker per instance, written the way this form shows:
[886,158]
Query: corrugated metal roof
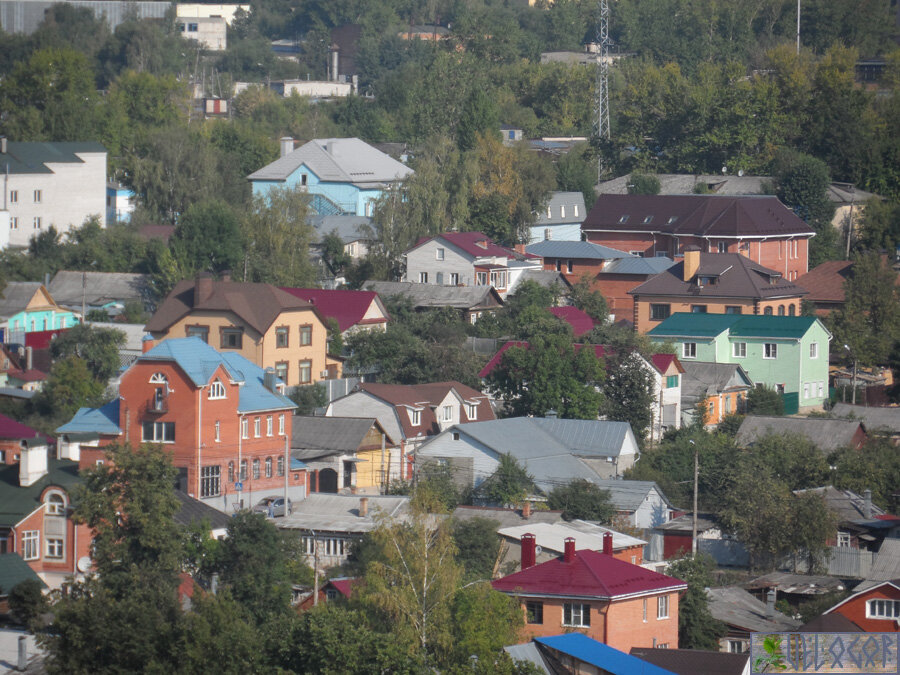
[886,566]
[15,296]
[551,537]
[605,658]
[874,418]
[432,295]
[573,203]
[636,265]
[340,513]
[628,495]
[583,250]
[736,607]
[102,420]
[318,436]
[100,288]
[826,434]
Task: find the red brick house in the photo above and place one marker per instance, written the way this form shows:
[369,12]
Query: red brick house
[609,600]
[875,609]
[758,227]
[224,419]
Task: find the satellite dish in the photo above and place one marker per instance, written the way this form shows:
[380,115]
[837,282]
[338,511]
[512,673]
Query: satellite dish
[724,170]
[741,172]
[84,564]
[538,550]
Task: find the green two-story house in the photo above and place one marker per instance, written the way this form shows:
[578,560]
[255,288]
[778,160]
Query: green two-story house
[786,353]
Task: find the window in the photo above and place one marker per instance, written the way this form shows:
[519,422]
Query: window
[31,541]
[549,212]
[448,413]
[767,311]
[689,350]
[498,279]
[230,472]
[192,28]
[305,335]
[158,432]
[201,332]
[305,371]
[281,425]
[780,310]
[423,277]
[280,466]
[728,405]
[243,475]
[662,645]
[281,370]
[534,611]
[218,431]
[843,539]
[245,428]
[813,350]
[14,223]
[623,219]
[481,278]
[269,425]
[37,196]
[232,338]
[662,607]
[210,477]
[439,254]
[732,309]
[644,611]
[671,381]
[268,467]
[455,436]
[471,411]
[562,211]
[216,391]
[770,350]
[648,219]
[721,247]
[256,427]
[281,337]
[55,547]
[739,350]
[821,389]
[56,504]
[415,417]
[569,266]
[454,278]
[883,609]
[698,309]
[660,312]
[735,646]
[37,222]
[575,210]
[558,265]
[256,469]
[576,614]
[13,196]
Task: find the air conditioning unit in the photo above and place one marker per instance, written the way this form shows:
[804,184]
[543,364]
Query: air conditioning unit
[324,373]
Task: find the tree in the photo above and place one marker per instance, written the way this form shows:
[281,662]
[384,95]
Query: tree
[643,184]
[70,386]
[581,500]
[588,300]
[509,485]
[764,401]
[208,237]
[309,397]
[875,467]
[477,546]
[27,603]
[335,337]
[628,391]
[97,347]
[697,628]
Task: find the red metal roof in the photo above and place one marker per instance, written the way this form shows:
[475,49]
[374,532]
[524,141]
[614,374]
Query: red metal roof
[32,375]
[590,574]
[581,323]
[662,362]
[470,242]
[347,307]
[344,585]
[15,431]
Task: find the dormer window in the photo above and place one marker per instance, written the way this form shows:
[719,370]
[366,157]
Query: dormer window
[56,504]
[575,210]
[471,411]
[562,211]
[623,219]
[415,417]
[216,391]
[671,219]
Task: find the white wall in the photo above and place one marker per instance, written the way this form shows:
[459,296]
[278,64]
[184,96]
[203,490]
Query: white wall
[652,512]
[424,259]
[442,446]
[362,404]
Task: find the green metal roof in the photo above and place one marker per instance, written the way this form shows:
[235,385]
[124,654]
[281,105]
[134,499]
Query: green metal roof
[773,326]
[695,325]
[13,571]
[33,157]
[16,502]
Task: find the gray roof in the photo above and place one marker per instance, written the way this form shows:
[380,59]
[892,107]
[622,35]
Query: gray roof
[583,250]
[134,334]
[337,160]
[557,200]
[348,227]
[636,265]
[886,565]
[340,513]
[685,523]
[693,661]
[432,295]
[529,652]
[33,157]
[736,607]
[628,495]
[848,505]
[313,437]
[100,288]
[544,278]
[798,584]
[873,418]
[193,512]
[827,434]
[16,295]
[704,378]
[506,517]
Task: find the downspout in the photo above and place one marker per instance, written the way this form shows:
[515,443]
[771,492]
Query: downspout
[240,479]
[199,440]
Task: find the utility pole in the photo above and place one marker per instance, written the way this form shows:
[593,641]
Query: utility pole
[601,86]
[694,523]
[798,27]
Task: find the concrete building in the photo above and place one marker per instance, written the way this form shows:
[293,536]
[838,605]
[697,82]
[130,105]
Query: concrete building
[210,32]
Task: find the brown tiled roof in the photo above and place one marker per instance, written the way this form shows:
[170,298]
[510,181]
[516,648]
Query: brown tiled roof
[825,282]
[693,662]
[698,215]
[426,396]
[736,276]
[259,305]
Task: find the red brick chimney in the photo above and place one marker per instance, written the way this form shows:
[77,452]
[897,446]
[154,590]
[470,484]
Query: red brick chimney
[528,551]
[526,510]
[147,343]
[607,543]
[569,554]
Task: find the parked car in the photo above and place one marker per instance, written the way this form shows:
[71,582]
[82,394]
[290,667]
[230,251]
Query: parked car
[276,504]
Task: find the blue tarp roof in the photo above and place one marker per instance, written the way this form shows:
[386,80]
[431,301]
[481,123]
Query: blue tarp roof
[598,654]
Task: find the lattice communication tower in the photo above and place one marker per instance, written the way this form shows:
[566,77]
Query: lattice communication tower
[601,86]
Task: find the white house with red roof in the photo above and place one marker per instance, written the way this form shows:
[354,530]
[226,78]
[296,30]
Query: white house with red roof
[593,593]
[467,259]
[665,369]
[353,310]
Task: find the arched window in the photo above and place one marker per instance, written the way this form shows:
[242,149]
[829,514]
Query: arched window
[268,467]
[768,311]
[255,469]
[281,466]
[216,390]
[243,469]
[159,378]
[792,310]
[780,310]
[56,504]
[230,472]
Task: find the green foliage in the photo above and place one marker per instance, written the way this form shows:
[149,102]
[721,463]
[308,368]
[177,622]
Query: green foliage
[477,547]
[27,603]
[216,631]
[875,466]
[436,480]
[484,621]
[97,347]
[308,398]
[589,301]
[69,386]
[583,500]
[643,184]
[208,237]
[764,400]
[697,628]
[509,485]
[335,338]
[628,392]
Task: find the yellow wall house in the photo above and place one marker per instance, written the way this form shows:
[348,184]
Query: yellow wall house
[271,328]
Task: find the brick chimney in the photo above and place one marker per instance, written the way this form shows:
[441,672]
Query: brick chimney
[529,551]
[363,507]
[569,554]
[607,543]
[691,262]
[147,343]
[203,288]
[526,510]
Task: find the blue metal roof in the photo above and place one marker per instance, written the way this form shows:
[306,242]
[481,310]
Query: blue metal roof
[253,393]
[575,249]
[602,656]
[196,358]
[296,464]
[636,265]
[102,420]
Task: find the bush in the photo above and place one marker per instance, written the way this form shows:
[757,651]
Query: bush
[26,602]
